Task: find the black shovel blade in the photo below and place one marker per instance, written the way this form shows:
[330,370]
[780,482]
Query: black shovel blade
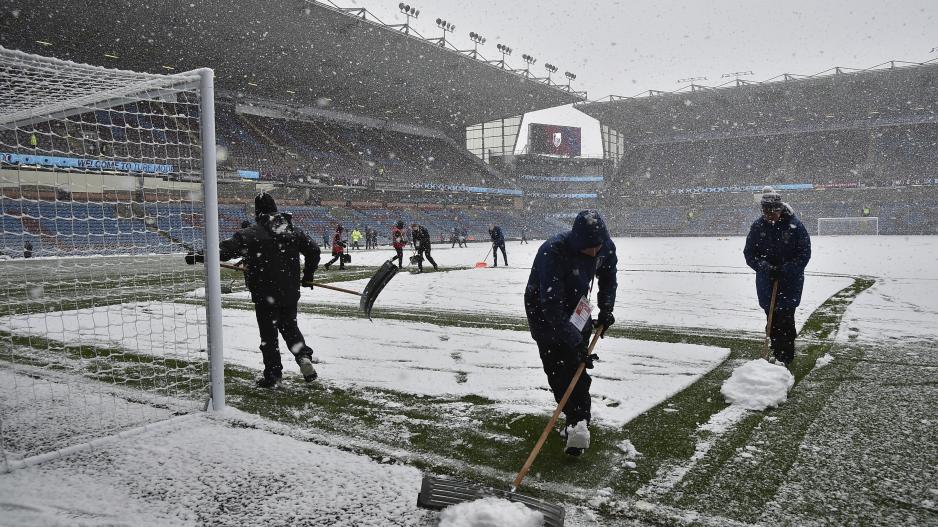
[439,493]
[380,279]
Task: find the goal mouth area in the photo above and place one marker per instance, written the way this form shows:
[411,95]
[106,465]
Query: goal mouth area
[848,226]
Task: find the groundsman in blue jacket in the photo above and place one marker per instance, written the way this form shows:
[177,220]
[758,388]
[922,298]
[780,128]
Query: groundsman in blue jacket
[778,248]
[498,242]
[562,275]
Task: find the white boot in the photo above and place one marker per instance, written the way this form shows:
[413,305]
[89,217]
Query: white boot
[306,367]
[578,438]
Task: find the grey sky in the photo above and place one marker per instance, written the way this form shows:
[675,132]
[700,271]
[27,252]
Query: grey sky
[624,47]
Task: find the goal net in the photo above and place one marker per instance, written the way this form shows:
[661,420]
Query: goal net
[105,182]
[847,226]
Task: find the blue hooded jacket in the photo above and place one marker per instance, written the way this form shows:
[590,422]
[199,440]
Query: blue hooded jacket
[785,244]
[496,235]
[561,275]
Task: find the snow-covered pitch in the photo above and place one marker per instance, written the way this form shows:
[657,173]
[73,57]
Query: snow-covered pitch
[238,468]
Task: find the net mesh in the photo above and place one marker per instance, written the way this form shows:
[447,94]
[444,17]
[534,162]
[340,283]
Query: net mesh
[100,174]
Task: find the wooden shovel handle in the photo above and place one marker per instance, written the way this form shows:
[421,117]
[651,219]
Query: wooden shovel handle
[768,325]
[553,418]
[315,284]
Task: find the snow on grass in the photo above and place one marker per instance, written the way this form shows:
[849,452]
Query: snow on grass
[693,282]
[683,299]
[211,470]
[754,385]
[895,310]
[628,449]
[823,361]
[40,414]
[490,512]
[408,357]
[757,385]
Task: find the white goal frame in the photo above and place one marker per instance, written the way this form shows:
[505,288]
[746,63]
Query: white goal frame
[38,90]
[848,226]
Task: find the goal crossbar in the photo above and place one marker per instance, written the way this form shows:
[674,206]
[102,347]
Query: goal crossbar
[31,109]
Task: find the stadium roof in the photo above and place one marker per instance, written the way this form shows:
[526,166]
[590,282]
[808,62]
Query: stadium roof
[298,51]
[839,98]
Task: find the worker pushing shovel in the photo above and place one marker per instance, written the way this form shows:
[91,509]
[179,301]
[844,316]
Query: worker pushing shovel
[271,251]
[778,249]
[560,319]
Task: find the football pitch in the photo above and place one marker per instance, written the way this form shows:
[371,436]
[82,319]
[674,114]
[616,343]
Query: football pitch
[446,380]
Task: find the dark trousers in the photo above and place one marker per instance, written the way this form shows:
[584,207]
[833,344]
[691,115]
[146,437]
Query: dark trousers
[400,256]
[495,249]
[273,317]
[783,334]
[336,256]
[424,252]
[560,365]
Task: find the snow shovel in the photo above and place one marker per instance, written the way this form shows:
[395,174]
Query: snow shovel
[437,493]
[373,288]
[483,264]
[768,325]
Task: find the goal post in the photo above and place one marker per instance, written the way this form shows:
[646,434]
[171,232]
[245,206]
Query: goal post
[107,178]
[866,225]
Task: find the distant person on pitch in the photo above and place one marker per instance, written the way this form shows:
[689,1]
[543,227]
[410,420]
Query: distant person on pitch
[498,242]
[560,283]
[524,237]
[398,242]
[338,249]
[778,249]
[271,249]
[421,237]
[356,238]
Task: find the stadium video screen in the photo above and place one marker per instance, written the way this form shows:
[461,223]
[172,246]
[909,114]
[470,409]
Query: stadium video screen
[554,140]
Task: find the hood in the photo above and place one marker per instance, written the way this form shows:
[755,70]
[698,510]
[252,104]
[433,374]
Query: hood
[589,230]
[264,204]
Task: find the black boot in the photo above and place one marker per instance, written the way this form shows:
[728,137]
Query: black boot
[271,379]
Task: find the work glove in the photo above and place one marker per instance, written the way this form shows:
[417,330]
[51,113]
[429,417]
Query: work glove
[583,356]
[195,257]
[308,280]
[605,319]
[588,359]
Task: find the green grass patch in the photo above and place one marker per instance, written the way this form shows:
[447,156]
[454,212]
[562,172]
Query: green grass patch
[727,484]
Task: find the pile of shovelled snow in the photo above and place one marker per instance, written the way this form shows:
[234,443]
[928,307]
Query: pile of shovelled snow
[758,385]
[824,361]
[629,449]
[490,512]
[631,453]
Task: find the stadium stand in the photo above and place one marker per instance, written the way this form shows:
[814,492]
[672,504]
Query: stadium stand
[871,129]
